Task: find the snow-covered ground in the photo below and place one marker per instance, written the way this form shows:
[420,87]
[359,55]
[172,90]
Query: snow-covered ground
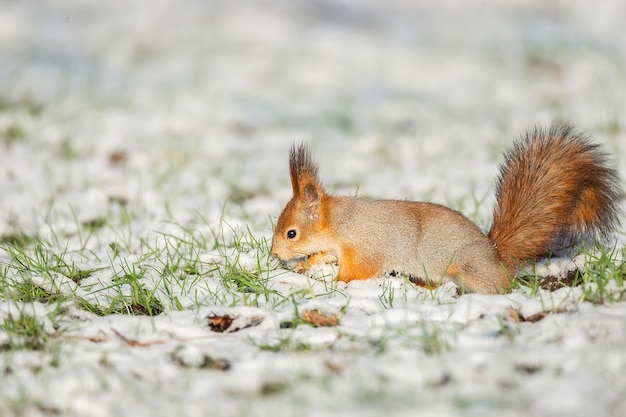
[148,141]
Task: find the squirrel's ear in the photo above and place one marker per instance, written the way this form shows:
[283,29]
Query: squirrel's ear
[294,182]
[302,168]
[305,182]
[311,198]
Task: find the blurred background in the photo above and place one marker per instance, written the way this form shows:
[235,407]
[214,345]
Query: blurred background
[174,108]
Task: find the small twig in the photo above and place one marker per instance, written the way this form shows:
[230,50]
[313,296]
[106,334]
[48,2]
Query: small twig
[130,342]
[194,338]
[136,343]
[96,339]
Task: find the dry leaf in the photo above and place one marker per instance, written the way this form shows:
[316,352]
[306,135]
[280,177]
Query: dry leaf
[333,367]
[318,318]
[117,157]
[536,317]
[223,323]
[533,318]
[514,314]
[220,323]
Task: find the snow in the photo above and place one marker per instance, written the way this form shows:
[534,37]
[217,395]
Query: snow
[171,122]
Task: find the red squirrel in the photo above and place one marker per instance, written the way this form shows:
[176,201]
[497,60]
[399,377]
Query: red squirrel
[555,190]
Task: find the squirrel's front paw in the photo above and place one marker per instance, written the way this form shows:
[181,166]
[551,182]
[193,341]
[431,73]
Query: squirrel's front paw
[305,265]
[300,267]
[321,258]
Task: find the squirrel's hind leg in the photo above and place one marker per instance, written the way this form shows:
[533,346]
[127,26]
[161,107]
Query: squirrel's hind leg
[486,281]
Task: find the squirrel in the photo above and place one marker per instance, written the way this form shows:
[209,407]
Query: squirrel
[555,190]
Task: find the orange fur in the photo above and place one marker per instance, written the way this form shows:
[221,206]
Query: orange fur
[352,265]
[555,190]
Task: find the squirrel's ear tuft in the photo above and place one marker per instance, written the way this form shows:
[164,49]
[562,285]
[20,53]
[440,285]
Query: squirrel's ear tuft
[302,170]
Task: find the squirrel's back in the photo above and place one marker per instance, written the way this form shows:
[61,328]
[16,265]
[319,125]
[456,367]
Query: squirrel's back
[555,190]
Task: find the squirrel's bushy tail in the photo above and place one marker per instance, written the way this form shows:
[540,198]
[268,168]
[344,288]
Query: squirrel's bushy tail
[555,190]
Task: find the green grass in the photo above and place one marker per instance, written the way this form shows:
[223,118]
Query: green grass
[12,133]
[601,276]
[133,296]
[166,271]
[25,332]
[213,265]
[19,239]
[25,104]
[44,280]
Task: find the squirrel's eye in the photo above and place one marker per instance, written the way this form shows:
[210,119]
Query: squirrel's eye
[291,234]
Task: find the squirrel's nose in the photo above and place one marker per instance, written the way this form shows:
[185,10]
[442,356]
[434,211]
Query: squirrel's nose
[273,251]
